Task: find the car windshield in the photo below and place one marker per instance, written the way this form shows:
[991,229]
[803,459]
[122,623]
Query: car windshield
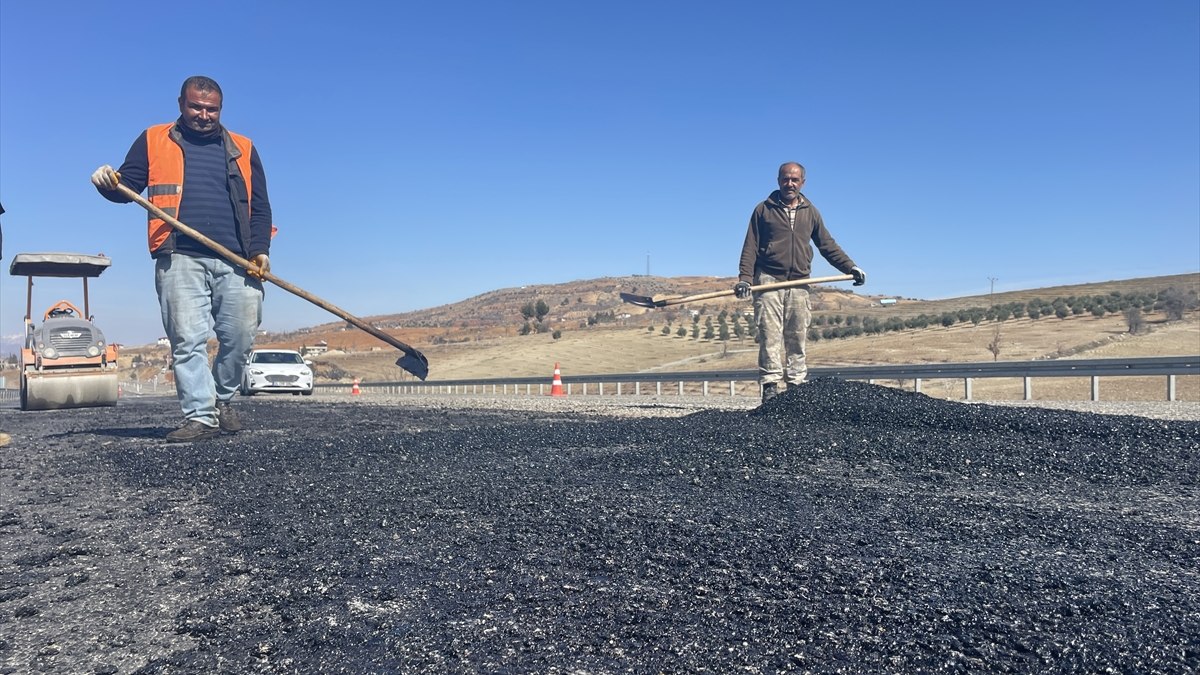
[277,357]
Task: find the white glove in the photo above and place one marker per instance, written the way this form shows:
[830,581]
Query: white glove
[105,178]
[262,265]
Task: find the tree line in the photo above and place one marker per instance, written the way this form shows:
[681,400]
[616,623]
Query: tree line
[1173,302]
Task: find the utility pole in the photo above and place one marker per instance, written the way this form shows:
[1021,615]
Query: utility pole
[993,280]
[647,263]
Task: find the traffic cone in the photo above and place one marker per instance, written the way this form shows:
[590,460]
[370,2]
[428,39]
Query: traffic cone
[354,389]
[556,387]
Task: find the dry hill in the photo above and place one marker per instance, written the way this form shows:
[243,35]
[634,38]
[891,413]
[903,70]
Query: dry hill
[479,337]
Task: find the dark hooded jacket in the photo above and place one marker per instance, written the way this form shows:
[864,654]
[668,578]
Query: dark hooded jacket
[785,251]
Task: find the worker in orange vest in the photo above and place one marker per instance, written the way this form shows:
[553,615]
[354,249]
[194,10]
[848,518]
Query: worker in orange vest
[213,180]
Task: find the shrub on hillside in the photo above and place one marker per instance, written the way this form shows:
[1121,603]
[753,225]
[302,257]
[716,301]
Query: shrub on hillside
[1176,302]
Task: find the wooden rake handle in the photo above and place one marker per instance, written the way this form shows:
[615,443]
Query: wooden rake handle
[773,286]
[777,285]
[414,361]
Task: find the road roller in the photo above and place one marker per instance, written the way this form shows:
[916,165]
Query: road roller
[65,362]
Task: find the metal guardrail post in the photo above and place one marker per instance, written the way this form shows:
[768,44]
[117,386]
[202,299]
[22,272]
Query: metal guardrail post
[967,388]
[917,385]
[1095,388]
[1170,387]
[1028,388]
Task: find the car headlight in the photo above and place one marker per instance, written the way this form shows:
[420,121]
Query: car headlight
[93,351]
[50,353]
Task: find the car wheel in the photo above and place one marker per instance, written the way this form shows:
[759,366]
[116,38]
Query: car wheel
[307,392]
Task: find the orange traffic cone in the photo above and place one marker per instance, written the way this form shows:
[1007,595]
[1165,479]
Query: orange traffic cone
[354,389]
[556,387]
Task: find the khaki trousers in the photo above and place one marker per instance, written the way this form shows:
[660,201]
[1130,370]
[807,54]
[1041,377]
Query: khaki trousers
[782,318]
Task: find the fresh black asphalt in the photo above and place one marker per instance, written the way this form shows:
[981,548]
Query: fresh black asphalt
[841,528]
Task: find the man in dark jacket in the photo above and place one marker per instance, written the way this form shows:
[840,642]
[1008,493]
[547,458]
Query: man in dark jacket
[212,180]
[778,248]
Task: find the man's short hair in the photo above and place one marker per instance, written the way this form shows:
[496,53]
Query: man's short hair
[787,164]
[200,83]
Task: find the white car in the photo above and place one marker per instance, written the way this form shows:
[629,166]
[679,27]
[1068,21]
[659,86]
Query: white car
[277,370]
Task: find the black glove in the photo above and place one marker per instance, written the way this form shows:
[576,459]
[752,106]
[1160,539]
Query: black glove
[742,290]
[860,277]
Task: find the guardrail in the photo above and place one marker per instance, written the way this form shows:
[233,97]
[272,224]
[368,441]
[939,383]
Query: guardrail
[631,383]
[1169,367]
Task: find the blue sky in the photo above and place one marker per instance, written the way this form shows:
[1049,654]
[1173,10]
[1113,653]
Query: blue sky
[418,154]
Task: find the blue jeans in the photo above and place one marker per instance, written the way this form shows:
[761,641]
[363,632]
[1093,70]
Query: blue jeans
[199,297]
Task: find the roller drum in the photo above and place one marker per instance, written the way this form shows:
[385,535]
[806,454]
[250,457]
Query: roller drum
[43,391]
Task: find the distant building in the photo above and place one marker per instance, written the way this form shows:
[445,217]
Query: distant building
[163,342]
[887,301]
[315,350]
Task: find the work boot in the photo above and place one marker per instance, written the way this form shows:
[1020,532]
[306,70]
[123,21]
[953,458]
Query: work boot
[228,417]
[770,391]
[192,431]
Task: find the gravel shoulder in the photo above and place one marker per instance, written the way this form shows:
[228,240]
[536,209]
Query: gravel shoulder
[678,406]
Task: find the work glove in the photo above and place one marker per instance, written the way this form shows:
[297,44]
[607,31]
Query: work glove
[105,178]
[742,290]
[261,265]
[860,277]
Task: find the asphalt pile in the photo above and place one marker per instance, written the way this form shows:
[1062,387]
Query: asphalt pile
[840,528]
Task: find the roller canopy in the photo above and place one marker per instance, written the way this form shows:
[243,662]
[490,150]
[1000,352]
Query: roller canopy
[72,265]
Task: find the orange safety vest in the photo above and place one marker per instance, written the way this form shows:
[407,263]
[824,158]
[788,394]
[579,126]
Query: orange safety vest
[164,183]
